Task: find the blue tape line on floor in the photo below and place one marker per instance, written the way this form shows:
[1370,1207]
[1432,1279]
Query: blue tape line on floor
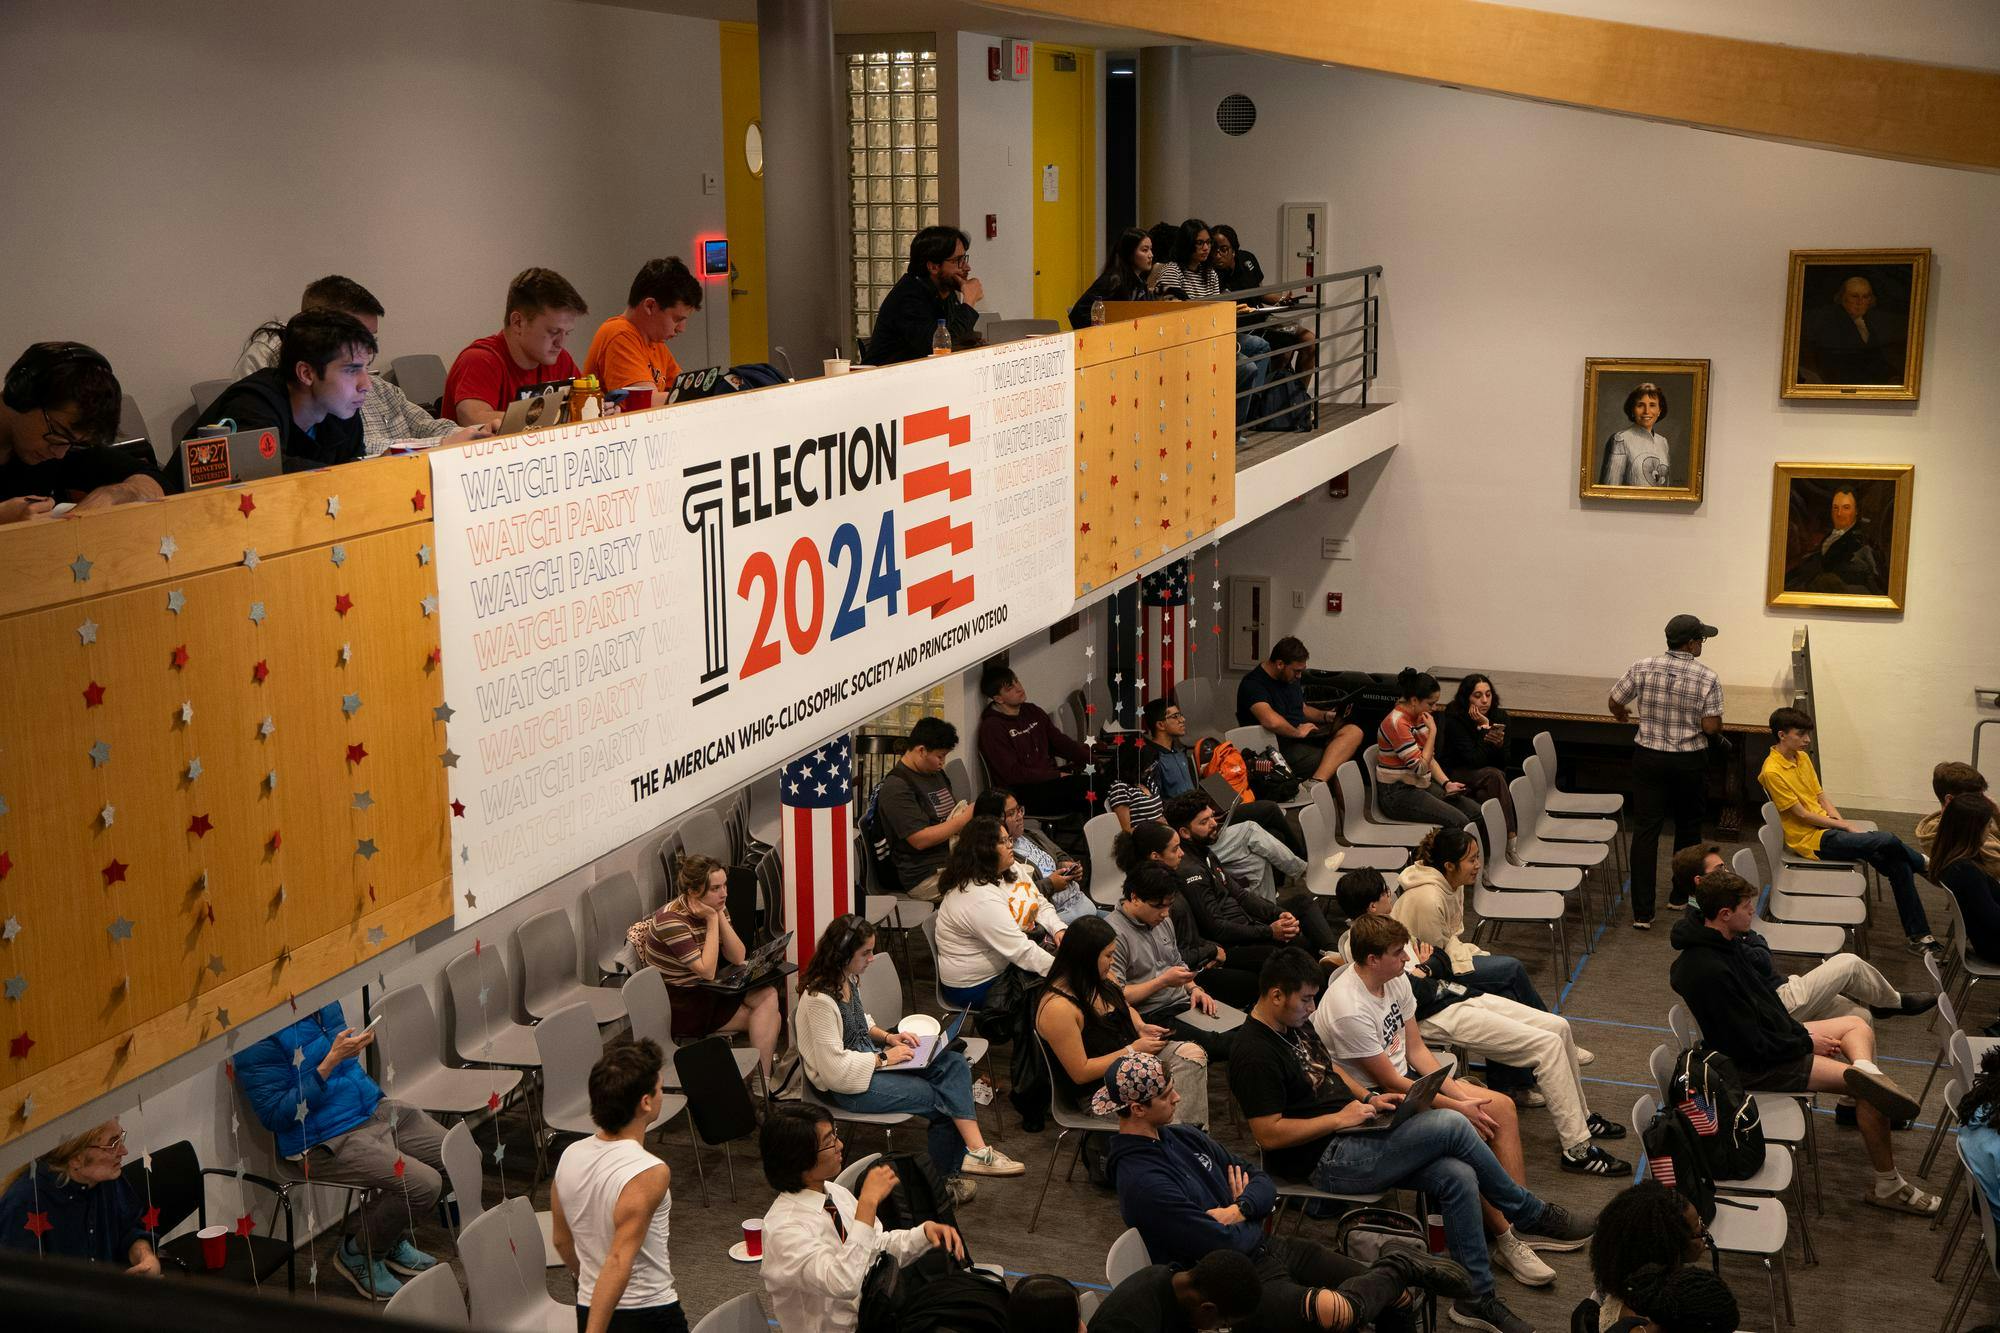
[1577,971]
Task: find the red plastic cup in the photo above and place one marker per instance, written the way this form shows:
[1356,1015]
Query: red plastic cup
[214,1246]
[638,398]
[753,1238]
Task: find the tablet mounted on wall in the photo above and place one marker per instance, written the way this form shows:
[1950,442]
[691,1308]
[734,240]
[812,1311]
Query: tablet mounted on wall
[715,258]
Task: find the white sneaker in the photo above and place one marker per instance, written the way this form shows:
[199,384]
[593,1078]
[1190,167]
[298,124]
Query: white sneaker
[1522,1264]
[992,1162]
[1530,1096]
[1583,1057]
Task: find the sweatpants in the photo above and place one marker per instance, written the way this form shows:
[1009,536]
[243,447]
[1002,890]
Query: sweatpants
[1529,1038]
[1844,984]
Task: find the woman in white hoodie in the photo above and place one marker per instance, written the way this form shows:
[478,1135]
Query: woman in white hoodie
[1432,909]
[978,935]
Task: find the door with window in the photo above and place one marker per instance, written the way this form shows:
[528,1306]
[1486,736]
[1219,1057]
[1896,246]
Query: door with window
[1065,178]
[743,194]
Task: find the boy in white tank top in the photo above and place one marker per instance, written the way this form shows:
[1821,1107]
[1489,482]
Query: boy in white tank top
[610,1200]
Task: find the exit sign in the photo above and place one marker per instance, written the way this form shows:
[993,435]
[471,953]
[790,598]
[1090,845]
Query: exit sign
[1017,59]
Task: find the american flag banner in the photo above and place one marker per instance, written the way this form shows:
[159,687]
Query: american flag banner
[816,792]
[1163,601]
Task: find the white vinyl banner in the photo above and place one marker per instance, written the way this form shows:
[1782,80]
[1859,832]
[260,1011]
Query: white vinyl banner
[641,613]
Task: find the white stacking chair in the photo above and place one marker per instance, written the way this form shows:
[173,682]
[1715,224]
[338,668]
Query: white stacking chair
[1127,1256]
[431,1297]
[1497,909]
[960,778]
[1503,875]
[882,999]
[504,1261]
[851,1175]
[463,1167]
[1791,937]
[1070,1119]
[703,833]
[1967,969]
[1387,859]
[1984,1261]
[1320,846]
[421,377]
[1302,1192]
[1107,881]
[1580,804]
[412,1070]
[570,1046]
[610,906]
[1825,881]
[1950,1202]
[549,978]
[738,1314]
[1538,849]
[1746,1226]
[651,1010]
[1786,1116]
[483,1030]
[1538,820]
[1788,912]
[1366,763]
[1793,861]
[1360,826]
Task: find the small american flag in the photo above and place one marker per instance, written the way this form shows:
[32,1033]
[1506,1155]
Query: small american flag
[816,791]
[1662,1170]
[1698,1114]
[1163,599]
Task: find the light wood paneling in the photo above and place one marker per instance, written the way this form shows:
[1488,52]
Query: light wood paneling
[1865,104]
[1156,434]
[240,890]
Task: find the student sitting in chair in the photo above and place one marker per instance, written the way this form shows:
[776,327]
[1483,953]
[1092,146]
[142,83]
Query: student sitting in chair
[980,939]
[1950,779]
[311,398]
[1147,961]
[1249,925]
[1958,862]
[1314,741]
[542,310]
[688,941]
[1432,908]
[73,1202]
[1169,769]
[631,348]
[57,413]
[1042,873]
[1026,751]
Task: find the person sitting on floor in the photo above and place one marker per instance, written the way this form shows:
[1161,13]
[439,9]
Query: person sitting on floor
[1314,741]
[1026,751]
[1146,960]
[73,1202]
[851,1061]
[1742,1017]
[1088,1022]
[1248,925]
[1815,830]
[1950,779]
[1187,1195]
[1432,908]
[610,1200]
[1051,873]
[1170,771]
[819,1240]
[1957,862]
[1511,1036]
[1221,1291]
[1472,743]
[687,941]
[1645,1226]
[979,937]
[306,1084]
[1410,784]
[1296,1098]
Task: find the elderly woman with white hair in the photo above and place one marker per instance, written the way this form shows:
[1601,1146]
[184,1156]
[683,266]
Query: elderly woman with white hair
[73,1203]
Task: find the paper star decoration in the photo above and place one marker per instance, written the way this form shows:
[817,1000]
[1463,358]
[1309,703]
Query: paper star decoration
[38,1222]
[350,704]
[417,502]
[79,569]
[338,555]
[179,657]
[222,1017]
[333,506]
[429,604]
[493,1101]
[365,848]
[435,656]
[250,560]
[176,599]
[376,935]
[470,901]
[150,1219]
[256,613]
[215,964]
[346,653]
[342,604]
[458,809]
[187,710]
[100,755]
[93,695]
[244,1224]
[271,779]
[120,928]
[168,546]
[266,727]
[6,864]
[17,986]
[449,759]
[442,713]
[424,554]
[19,1047]
[115,873]
[276,840]
[362,800]
[194,769]
[200,825]
[356,752]
[465,855]
[10,929]
[87,631]
[261,672]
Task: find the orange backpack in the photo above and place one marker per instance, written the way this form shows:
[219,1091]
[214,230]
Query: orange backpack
[1218,756]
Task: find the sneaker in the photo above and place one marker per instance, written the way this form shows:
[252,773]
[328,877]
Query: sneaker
[990,1161]
[374,1281]
[1519,1260]
[1910,1002]
[1488,1312]
[1880,1091]
[1600,1128]
[1593,1161]
[1557,1229]
[1637,924]
[1529,1096]
[1413,1266]
[407,1259]
[1924,944]
[1677,899]
[1584,1057]
[961,1190]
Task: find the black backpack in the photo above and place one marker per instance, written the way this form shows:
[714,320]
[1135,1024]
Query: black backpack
[878,842]
[935,1290]
[1674,1159]
[1708,1092]
[1270,776]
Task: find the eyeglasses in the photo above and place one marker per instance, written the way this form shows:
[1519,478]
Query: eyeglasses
[114,1145]
[59,434]
[1175,716]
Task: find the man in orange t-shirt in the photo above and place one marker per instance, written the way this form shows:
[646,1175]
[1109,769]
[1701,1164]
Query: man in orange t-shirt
[632,348]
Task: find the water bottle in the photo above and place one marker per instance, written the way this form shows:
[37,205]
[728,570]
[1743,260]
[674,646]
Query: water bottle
[1097,311]
[941,340]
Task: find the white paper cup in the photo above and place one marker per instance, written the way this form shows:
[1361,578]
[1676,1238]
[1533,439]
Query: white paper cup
[835,367]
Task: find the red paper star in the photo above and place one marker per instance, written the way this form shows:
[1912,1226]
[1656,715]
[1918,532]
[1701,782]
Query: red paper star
[1086,527]
[458,809]
[247,503]
[277,840]
[93,695]
[417,502]
[115,873]
[1163,453]
[493,1101]
[19,1047]
[356,752]
[398,1168]
[261,672]
[150,1219]
[200,825]
[6,864]
[371,893]
[39,1224]
[478,947]
[437,656]
[1090,708]
[343,604]
[1090,796]
[1166,523]
[244,1224]
[1114,481]
[180,658]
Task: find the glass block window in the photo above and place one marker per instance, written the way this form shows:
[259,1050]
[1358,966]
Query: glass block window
[892,167]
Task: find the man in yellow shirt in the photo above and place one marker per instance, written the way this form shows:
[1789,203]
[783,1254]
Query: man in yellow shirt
[1815,829]
[632,348]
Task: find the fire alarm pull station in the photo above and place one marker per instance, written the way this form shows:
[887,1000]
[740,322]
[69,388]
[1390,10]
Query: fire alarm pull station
[1333,603]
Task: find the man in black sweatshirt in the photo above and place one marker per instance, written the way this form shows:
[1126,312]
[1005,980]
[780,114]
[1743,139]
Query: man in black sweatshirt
[1743,1018]
[311,398]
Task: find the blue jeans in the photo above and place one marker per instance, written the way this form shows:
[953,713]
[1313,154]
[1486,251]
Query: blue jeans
[1250,376]
[1503,975]
[941,1092]
[1441,1154]
[1899,863]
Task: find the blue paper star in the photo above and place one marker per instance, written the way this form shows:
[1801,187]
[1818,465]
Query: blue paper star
[365,848]
[338,554]
[121,929]
[424,554]
[176,599]
[256,613]
[442,713]
[100,755]
[79,570]
[350,704]
[362,800]
[17,986]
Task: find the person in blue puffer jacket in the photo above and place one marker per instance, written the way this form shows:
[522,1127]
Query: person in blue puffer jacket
[307,1085]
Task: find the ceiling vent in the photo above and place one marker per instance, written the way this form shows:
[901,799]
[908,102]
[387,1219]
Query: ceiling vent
[1235,114]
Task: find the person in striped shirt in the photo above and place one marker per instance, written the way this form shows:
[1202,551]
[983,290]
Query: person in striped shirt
[1409,782]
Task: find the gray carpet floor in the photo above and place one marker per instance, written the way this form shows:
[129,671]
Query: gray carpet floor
[1873,1271]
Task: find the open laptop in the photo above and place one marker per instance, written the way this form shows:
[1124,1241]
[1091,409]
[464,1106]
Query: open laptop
[928,1047]
[1225,797]
[226,458]
[758,964]
[1415,1102]
[538,407]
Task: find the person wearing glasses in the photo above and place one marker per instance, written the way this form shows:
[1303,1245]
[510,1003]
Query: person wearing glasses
[57,413]
[938,286]
[73,1202]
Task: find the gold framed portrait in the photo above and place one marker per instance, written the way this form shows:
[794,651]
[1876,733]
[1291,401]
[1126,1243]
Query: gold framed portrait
[1645,429]
[1854,324]
[1840,535]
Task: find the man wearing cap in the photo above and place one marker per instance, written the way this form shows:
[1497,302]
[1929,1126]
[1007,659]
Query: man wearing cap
[1678,704]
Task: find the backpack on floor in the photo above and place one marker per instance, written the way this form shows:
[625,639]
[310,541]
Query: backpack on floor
[1212,756]
[1707,1090]
[1270,776]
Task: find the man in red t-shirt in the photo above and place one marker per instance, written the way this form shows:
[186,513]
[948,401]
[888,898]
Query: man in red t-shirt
[542,309]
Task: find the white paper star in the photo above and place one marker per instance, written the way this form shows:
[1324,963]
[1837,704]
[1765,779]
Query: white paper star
[87,631]
[429,604]
[168,546]
[187,710]
[424,554]
[338,554]
[346,653]
[108,814]
[9,930]
[193,769]
[333,506]
[266,727]
[250,560]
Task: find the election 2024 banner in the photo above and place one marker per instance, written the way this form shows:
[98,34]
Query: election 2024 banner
[641,613]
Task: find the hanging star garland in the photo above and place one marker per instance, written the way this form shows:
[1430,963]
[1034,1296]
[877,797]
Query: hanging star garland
[247,503]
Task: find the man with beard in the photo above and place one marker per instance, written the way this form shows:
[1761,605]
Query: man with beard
[939,286]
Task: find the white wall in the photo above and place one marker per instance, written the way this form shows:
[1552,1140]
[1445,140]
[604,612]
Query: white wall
[177,173]
[996,150]
[1518,240]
